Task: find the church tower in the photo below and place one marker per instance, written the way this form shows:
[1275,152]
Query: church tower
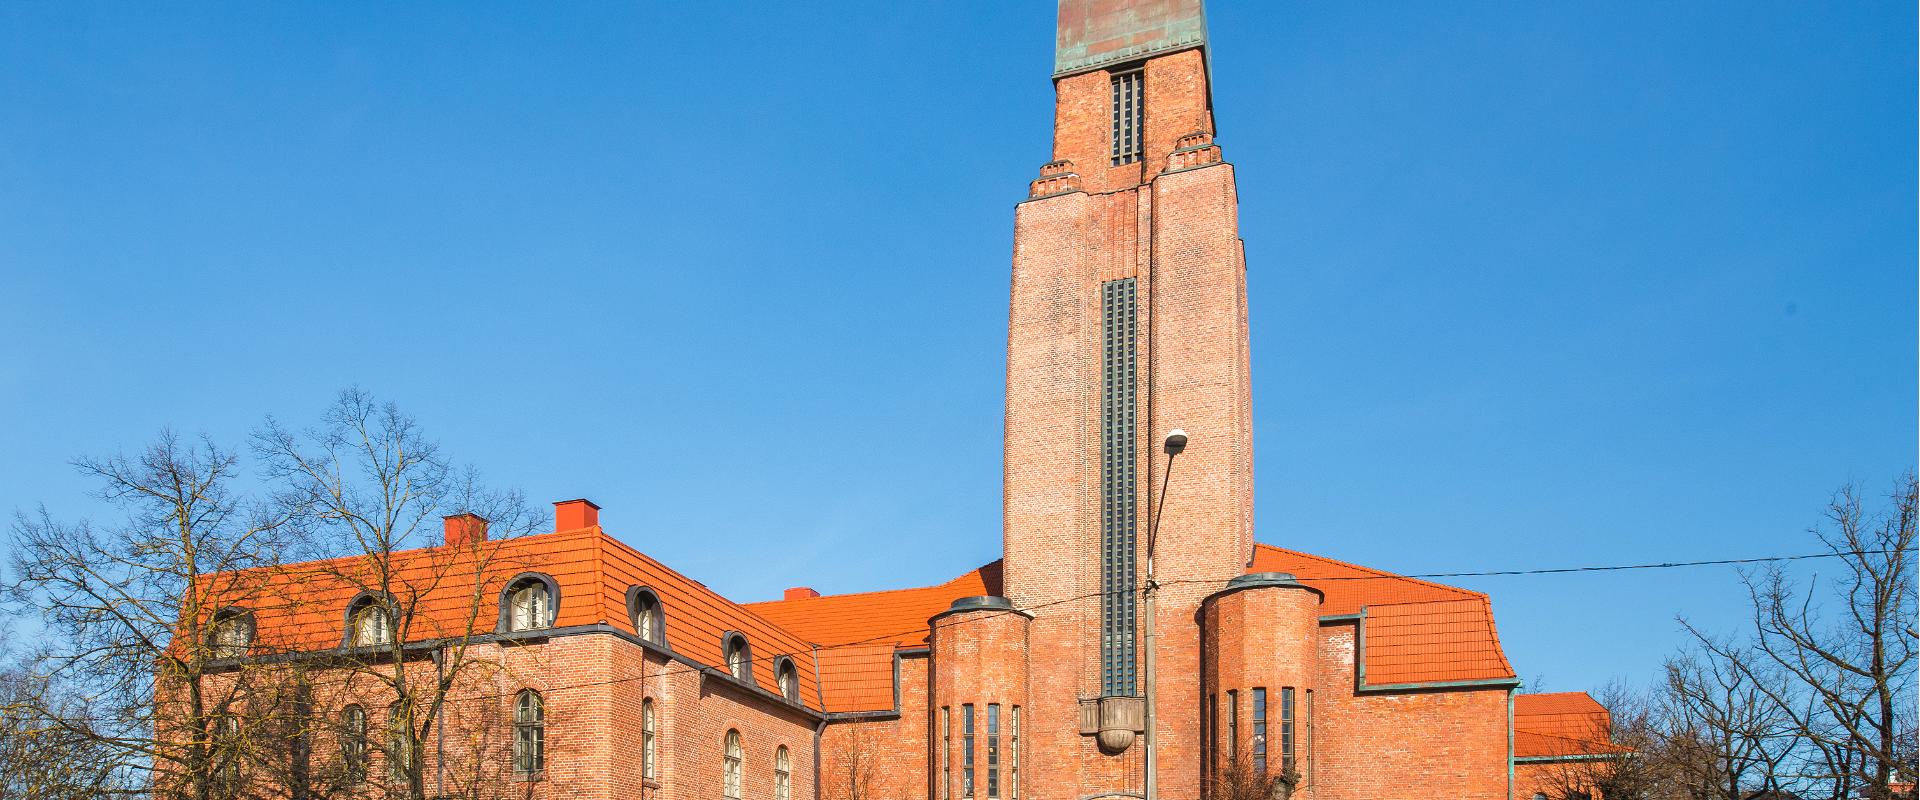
[1128,319]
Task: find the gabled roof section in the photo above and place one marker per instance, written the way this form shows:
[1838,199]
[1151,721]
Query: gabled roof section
[1566,715]
[1416,632]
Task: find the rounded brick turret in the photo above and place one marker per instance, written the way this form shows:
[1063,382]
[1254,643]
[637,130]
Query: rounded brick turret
[978,688]
[1259,637]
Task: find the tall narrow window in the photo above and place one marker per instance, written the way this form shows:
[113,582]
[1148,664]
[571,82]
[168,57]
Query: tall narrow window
[226,753]
[400,752]
[529,733]
[1286,729]
[1209,728]
[1233,727]
[946,752]
[353,742]
[1013,758]
[788,679]
[1129,107]
[731,765]
[993,749]
[648,729]
[1307,749]
[1259,731]
[782,775]
[966,750]
[1116,488]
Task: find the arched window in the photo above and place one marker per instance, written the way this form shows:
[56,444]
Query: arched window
[736,757]
[788,680]
[529,733]
[353,742]
[231,634]
[648,728]
[649,621]
[739,657]
[529,604]
[226,753]
[400,755]
[370,622]
[782,775]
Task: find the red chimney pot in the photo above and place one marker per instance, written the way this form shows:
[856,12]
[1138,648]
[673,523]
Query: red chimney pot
[801,593]
[572,515]
[465,528]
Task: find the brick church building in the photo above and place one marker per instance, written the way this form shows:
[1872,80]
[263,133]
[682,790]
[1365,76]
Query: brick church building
[1134,641]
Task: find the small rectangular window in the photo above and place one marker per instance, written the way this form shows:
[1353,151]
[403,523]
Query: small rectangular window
[993,749]
[966,750]
[1286,729]
[1129,107]
[1259,731]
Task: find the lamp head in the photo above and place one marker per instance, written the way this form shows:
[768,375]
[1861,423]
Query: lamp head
[1176,442]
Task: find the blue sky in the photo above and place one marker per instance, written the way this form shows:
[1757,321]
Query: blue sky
[1533,285]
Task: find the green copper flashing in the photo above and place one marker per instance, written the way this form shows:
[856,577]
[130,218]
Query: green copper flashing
[1101,33]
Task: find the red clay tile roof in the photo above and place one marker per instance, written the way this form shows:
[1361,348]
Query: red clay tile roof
[1416,631]
[1560,724]
[858,633]
[592,570]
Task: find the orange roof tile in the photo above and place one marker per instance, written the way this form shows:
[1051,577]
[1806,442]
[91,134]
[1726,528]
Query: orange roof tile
[1349,587]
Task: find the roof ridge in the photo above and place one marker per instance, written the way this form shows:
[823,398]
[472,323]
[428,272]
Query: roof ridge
[1351,565]
[949,582]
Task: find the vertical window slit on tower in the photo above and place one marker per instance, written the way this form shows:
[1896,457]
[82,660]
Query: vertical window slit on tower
[1117,535]
[966,750]
[1128,115]
[993,749]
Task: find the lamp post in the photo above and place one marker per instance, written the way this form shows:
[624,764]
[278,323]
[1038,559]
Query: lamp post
[1175,443]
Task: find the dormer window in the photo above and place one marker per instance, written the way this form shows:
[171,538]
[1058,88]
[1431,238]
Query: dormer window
[369,622]
[739,658]
[529,604]
[231,634]
[788,679]
[649,622]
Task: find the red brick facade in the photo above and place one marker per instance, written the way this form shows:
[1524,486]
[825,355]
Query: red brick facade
[1367,685]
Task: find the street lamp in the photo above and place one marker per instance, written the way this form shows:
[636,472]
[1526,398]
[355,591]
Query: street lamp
[1175,444]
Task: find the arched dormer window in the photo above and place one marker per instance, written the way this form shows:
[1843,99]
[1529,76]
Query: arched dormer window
[739,657]
[231,633]
[529,602]
[648,617]
[370,621]
[787,678]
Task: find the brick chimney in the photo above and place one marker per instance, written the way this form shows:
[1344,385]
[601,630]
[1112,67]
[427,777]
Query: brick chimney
[572,515]
[466,528]
[800,593]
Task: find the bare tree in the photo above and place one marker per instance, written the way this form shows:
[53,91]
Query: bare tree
[369,488]
[132,626]
[47,751]
[1721,737]
[1851,690]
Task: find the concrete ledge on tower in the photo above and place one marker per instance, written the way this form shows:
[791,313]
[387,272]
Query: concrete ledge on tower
[1193,151]
[1056,177]
[1115,720]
